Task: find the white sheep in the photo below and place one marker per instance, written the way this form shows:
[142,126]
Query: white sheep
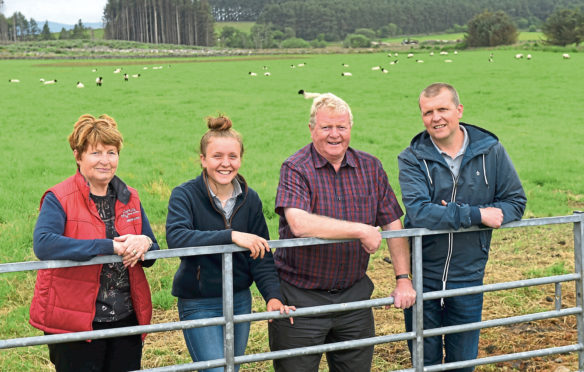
[125,77]
[136,75]
[346,74]
[267,74]
[448,61]
[420,60]
[443,53]
[410,55]
[13,81]
[344,65]
[98,81]
[48,82]
[80,85]
[528,56]
[431,54]
[565,56]
[302,64]
[117,70]
[252,74]
[384,70]
[375,68]
[519,56]
[308,95]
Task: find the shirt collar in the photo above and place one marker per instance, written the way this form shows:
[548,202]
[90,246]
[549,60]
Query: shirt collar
[462,149]
[236,189]
[320,161]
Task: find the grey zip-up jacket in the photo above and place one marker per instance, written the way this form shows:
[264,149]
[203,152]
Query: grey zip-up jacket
[486,178]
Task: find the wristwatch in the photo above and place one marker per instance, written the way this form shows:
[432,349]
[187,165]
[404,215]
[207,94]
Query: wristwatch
[403,276]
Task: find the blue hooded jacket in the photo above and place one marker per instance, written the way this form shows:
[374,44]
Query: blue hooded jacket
[486,178]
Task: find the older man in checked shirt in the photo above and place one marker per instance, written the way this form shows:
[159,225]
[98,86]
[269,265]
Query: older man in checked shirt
[331,191]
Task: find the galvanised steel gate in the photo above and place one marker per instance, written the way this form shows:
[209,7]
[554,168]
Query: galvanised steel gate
[417,335]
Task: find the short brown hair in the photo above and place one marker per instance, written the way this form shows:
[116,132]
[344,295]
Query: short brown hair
[434,89]
[89,130]
[221,126]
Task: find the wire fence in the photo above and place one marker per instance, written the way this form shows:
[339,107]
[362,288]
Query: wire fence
[417,335]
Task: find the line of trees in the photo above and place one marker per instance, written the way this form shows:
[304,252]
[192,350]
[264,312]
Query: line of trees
[188,22]
[337,18]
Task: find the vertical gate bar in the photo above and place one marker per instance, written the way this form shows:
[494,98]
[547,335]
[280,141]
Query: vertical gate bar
[228,340]
[558,296]
[579,265]
[418,311]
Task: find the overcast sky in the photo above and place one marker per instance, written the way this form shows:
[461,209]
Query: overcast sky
[61,11]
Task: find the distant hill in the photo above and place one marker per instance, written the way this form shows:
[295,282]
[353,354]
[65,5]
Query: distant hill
[56,27]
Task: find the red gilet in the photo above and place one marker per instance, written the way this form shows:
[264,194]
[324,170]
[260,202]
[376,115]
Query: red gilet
[64,299]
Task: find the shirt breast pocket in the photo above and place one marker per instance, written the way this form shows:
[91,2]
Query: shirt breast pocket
[360,208]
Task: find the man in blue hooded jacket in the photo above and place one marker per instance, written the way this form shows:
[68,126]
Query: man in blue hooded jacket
[455,175]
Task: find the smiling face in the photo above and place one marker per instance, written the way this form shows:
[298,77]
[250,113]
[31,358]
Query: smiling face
[222,160]
[331,134]
[441,116]
[98,165]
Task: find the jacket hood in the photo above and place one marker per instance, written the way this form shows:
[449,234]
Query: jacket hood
[481,140]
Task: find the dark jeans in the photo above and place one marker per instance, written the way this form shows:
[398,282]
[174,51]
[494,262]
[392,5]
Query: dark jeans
[106,355]
[457,310]
[328,328]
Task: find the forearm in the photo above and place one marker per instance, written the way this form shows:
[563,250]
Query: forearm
[399,249]
[304,225]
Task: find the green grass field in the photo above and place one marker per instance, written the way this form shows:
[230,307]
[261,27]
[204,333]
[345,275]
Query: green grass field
[533,106]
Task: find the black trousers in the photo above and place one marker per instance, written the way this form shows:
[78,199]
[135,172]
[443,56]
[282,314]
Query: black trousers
[328,328]
[118,354]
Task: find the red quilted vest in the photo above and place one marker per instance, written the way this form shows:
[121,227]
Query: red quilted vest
[64,299]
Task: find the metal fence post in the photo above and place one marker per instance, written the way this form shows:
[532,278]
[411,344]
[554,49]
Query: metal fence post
[228,345]
[578,266]
[418,311]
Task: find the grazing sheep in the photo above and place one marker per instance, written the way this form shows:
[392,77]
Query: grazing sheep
[528,56]
[448,60]
[394,62]
[48,82]
[346,74]
[267,74]
[384,70]
[42,80]
[136,75]
[125,77]
[344,65]
[80,85]
[117,70]
[410,55]
[13,81]
[420,60]
[252,74]
[395,54]
[389,54]
[94,70]
[456,52]
[264,67]
[308,95]
[491,58]
[301,64]
[443,53]
[565,56]
[145,68]
[431,54]
[518,56]
[98,81]
[375,68]
[292,66]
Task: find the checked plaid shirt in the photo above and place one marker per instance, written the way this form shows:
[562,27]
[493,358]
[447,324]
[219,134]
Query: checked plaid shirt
[358,192]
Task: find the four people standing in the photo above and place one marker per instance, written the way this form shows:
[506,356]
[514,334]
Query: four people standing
[455,175]
[452,175]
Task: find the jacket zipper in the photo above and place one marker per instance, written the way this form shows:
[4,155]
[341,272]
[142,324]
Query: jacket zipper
[450,240]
